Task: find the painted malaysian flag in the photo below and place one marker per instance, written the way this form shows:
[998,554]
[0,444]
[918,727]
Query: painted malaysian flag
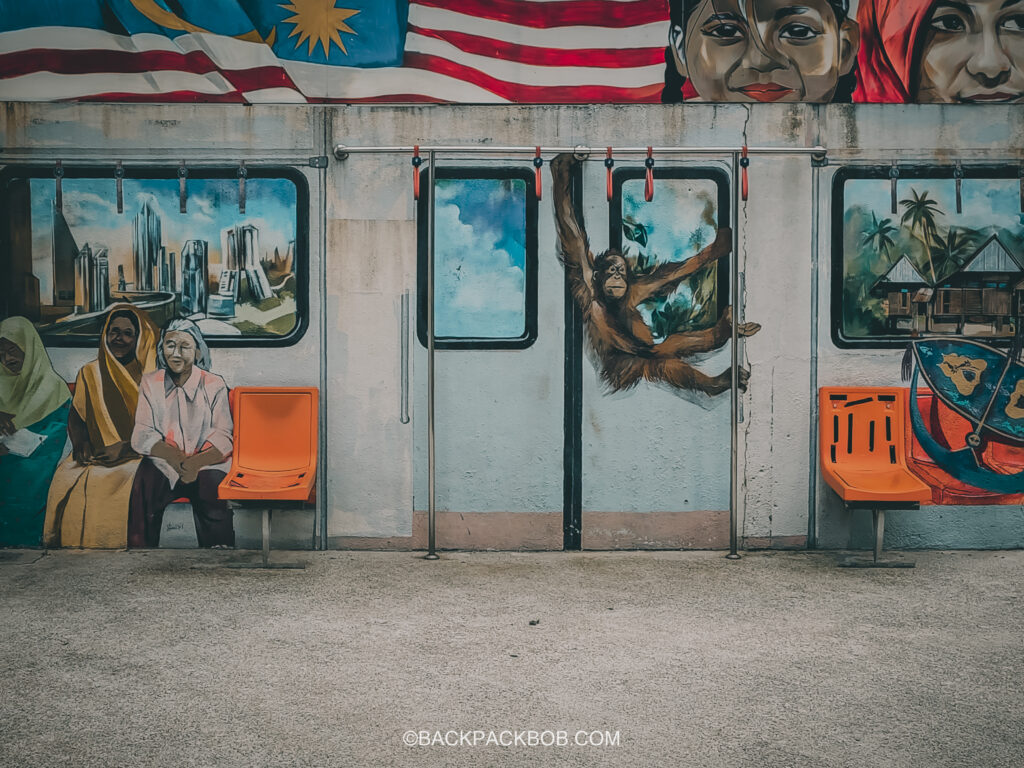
[277,51]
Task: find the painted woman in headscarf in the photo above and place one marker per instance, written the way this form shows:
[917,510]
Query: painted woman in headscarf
[33,399]
[184,431]
[760,51]
[88,500]
[956,52]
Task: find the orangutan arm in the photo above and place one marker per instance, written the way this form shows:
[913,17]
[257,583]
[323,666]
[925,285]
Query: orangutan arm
[666,277]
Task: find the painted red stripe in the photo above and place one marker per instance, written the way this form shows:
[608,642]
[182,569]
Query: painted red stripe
[168,97]
[568,13]
[546,57]
[88,62]
[258,78]
[535,94]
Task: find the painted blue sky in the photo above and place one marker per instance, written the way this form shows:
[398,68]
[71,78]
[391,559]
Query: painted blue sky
[986,202]
[671,217]
[480,252]
[90,209]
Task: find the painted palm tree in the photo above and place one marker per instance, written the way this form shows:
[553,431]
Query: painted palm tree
[921,211]
[879,236]
[951,249]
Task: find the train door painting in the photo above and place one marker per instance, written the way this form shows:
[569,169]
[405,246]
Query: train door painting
[655,452]
[499,352]
[537,446]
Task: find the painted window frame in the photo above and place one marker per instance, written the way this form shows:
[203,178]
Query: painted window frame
[698,172]
[908,172]
[529,335]
[159,171]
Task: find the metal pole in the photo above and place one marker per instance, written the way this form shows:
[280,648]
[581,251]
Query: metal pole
[321,482]
[342,151]
[734,391]
[812,484]
[431,476]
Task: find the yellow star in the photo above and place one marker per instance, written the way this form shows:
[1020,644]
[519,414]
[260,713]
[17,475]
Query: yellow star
[319,22]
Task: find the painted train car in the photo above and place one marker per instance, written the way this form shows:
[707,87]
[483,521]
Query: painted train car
[576,319]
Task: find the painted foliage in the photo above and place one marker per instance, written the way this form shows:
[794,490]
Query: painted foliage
[926,267]
[610,289]
[544,51]
[231,267]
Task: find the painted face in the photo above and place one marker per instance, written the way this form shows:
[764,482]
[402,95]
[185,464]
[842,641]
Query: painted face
[973,52]
[179,351]
[121,339]
[12,357]
[615,278]
[766,50]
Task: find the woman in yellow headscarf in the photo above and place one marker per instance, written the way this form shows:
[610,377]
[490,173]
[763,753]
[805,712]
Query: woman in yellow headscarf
[88,501]
[33,407]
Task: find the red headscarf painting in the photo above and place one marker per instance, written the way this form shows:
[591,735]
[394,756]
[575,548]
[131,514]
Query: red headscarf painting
[890,35]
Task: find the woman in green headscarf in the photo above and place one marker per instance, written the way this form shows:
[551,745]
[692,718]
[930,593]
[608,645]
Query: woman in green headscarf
[33,398]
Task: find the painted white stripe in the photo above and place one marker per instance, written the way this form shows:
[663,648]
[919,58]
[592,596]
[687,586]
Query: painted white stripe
[654,35]
[81,39]
[274,96]
[47,86]
[323,81]
[229,53]
[528,74]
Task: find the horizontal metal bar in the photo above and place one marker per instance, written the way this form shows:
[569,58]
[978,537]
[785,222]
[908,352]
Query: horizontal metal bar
[341,151]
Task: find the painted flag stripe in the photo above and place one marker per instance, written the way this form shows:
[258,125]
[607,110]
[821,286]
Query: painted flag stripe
[586,36]
[544,15]
[535,94]
[545,57]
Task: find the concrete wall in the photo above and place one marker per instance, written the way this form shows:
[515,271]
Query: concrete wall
[363,250]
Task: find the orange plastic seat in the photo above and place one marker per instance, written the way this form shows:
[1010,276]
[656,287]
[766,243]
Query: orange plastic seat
[863,457]
[276,440]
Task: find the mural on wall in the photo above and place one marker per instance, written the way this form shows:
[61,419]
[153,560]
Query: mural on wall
[609,291]
[231,272]
[184,432]
[927,268]
[89,495]
[544,51]
[966,430]
[34,404]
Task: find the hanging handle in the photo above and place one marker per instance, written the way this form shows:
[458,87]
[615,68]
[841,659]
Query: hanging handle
[649,179]
[894,177]
[119,182]
[243,174]
[417,161]
[58,176]
[958,174]
[182,194]
[538,163]
[744,177]
[609,163]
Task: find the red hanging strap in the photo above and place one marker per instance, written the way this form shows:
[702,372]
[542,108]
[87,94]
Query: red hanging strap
[744,164]
[537,164]
[649,183]
[416,162]
[609,163]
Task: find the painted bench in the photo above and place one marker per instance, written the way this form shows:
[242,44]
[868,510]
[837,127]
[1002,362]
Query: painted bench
[863,456]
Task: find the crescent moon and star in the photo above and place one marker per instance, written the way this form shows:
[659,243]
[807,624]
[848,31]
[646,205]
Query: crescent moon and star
[317,22]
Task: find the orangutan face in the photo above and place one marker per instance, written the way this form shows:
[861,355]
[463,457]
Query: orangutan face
[765,50]
[614,284]
[973,53]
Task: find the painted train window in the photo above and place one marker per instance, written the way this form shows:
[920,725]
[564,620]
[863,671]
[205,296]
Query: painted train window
[910,258]
[239,272]
[485,259]
[689,205]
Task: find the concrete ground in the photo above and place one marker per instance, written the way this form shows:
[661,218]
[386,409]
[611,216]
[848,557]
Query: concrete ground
[167,658]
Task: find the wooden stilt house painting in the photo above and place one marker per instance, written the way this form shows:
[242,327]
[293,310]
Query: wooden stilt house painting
[985,297]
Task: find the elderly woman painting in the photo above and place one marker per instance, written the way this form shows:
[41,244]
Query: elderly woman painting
[969,52]
[183,429]
[33,398]
[88,501]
